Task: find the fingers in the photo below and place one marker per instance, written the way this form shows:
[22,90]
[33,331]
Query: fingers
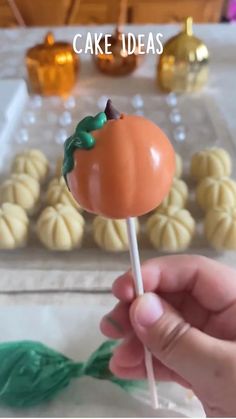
[197,275]
[116,324]
[129,353]
[222,325]
[191,354]
[123,287]
[190,309]
[138,372]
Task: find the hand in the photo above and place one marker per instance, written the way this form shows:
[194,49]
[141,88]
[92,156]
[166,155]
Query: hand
[187,319]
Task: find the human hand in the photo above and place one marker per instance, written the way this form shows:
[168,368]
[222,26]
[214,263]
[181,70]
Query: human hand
[187,319]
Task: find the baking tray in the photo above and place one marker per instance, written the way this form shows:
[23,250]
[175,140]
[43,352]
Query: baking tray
[191,122]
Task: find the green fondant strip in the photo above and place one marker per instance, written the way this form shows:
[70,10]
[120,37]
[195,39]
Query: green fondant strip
[31,373]
[81,139]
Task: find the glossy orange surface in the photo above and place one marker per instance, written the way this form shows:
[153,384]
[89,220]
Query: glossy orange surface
[127,173]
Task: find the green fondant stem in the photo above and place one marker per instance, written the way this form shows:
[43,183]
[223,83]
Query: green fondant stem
[81,139]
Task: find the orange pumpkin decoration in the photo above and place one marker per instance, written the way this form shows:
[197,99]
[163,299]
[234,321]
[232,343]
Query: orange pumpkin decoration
[128,171]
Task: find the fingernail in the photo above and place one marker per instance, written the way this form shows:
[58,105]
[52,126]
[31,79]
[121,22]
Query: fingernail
[148,310]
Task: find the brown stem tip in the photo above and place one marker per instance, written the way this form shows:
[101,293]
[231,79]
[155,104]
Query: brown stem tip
[110,111]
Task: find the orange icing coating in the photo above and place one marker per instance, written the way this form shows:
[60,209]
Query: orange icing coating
[127,173]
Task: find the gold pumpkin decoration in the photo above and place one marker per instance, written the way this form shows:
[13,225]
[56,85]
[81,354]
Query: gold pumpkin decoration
[183,65]
[52,67]
[118,63]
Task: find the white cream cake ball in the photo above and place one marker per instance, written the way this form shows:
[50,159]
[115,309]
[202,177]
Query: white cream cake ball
[14,226]
[178,165]
[177,196]
[60,227]
[220,228]
[214,192]
[21,189]
[59,163]
[171,229]
[111,235]
[32,162]
[210,162]
[58,193]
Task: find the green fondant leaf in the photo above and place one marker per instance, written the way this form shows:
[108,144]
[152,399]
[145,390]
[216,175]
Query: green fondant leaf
[81,139]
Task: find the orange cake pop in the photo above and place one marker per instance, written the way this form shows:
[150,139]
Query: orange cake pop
[118,165]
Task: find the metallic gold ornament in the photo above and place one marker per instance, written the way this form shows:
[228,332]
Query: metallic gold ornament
[118,63]
[52,67]
[183,65]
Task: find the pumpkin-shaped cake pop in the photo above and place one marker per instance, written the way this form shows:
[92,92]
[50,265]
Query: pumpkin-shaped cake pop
[14,226]
[111,235]
[32,162]
[118,166]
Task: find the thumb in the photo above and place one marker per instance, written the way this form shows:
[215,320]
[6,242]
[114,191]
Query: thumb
[182,348]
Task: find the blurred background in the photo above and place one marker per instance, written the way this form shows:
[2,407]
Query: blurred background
[73,12]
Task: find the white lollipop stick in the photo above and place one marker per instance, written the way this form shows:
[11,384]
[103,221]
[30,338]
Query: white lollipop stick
[138,280]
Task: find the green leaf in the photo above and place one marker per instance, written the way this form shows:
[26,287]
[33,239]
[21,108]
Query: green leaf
[81,139]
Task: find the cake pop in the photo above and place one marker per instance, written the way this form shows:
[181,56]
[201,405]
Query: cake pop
[120,166]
